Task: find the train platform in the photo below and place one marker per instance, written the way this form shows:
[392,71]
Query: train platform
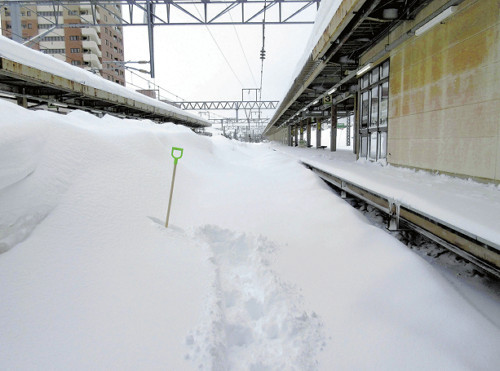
[453,211]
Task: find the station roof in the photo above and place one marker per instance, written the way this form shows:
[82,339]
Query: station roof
[43,79]
[339,43]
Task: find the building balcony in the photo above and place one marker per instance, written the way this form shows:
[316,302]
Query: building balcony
[92,61]
[91,34]
[91,47]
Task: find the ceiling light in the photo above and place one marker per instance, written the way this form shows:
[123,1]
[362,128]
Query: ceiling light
[437,19]
[331,91]
[316,101]
[363,69]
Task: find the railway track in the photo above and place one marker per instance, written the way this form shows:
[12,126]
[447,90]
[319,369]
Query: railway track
[400,217]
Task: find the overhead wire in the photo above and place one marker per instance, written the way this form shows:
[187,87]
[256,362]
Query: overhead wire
[220,50]
[263,50]
[243,50]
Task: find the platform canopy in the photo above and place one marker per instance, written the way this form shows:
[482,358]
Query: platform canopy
[343,31]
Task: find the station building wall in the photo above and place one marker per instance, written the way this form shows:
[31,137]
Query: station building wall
[444,92]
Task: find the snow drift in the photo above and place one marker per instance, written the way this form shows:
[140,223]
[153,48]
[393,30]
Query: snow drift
[263,268]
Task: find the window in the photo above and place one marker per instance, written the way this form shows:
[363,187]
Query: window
[384,103]
[373,146]
[50,14]
[76,63]
[374,108]
[75,50]
[74,38]
[72,12]
[54,51]
[53,38]
[364,147]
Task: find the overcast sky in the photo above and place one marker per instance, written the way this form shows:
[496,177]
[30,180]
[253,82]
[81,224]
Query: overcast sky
[189,63]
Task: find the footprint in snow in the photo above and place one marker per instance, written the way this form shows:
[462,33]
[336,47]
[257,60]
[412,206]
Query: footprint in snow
[255,321]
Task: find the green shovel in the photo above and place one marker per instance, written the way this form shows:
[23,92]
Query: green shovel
[176,158]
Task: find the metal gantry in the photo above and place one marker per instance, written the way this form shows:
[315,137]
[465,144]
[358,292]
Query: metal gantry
[225,105]
[191,12]
[153,13]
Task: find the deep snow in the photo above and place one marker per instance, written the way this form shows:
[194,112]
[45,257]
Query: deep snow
[263,267]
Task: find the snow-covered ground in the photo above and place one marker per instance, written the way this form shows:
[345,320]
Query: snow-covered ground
[262,267]
[464,203]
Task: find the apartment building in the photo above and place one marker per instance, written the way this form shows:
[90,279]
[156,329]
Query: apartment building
[95,48]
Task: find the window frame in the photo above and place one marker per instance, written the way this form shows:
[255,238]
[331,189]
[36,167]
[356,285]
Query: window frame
[367,127]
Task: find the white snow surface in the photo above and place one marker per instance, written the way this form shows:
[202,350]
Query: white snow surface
[19,53]
[463,203]
[261,268]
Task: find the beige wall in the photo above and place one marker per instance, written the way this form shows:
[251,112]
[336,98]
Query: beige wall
[444,103]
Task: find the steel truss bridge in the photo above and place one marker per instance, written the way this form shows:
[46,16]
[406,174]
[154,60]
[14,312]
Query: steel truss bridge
[249,108]
[225,105]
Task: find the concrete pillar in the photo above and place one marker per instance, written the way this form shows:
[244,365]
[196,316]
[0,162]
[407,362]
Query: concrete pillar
[318,133]
[333,130]
[356,126]
[290,137]
[308,132]
[22,101]
[301,128]
[296,132]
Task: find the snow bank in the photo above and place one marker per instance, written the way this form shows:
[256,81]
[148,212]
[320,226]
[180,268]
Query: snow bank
[262,268]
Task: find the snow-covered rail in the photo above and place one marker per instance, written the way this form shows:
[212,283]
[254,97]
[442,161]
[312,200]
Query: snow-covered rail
[474,248]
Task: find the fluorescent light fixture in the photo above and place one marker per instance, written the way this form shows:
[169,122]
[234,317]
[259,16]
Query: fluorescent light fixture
[331,91]
[437,19]
[7,95]
[364,69]
[316,101]
[304,109]
[57,104]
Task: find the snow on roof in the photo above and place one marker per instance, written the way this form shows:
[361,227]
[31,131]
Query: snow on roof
[19,53]
[325,13]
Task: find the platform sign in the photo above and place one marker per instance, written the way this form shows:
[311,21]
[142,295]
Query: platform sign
[327,100]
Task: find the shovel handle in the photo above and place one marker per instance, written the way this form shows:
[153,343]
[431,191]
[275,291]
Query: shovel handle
[181,150]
